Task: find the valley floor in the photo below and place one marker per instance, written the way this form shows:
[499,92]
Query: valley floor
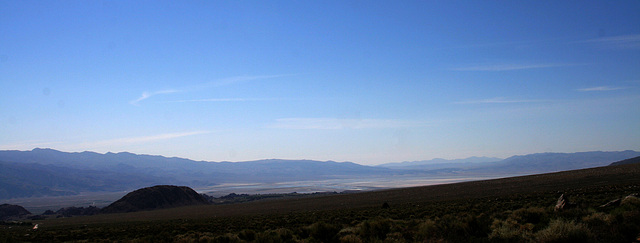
[501,210]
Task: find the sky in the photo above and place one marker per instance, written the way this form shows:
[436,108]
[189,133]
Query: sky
[369,82]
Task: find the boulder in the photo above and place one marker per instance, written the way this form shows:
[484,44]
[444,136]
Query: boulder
[612,203]
[618,201]
[564,203]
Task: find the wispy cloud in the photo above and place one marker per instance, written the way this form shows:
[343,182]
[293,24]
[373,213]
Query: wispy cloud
[217,83]
[342,123]
[620,41]
[499,100]
[514,43]
[223,100]
[155,137]
[135,140]
[510,67]
[146,95]
[240,79]
[96,145]
[600,88]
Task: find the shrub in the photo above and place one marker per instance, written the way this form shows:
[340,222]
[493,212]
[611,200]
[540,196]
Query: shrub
[629,226]
[323,232]
[351,238]
[461,227]
[597,219]
[375,228]
[275,236]
[574,213]
[395,237]
[426,230]
[349,234]
[630,203]
[560,230]
[227,238]
[451,226]
[285,234]
[247,235]
[190,237]
[534,215]
[510,231]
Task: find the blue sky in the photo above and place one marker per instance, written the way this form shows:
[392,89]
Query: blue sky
[362,81]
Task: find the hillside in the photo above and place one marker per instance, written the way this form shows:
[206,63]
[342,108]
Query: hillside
[460,212]
[548,184]
[156,197]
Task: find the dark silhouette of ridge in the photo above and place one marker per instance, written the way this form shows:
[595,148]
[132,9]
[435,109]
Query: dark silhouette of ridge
[633,160]
[156,197]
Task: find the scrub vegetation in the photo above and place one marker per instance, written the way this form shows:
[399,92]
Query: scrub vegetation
[519,209]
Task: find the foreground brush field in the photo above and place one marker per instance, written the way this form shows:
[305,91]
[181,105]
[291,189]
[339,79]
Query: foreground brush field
[518,209]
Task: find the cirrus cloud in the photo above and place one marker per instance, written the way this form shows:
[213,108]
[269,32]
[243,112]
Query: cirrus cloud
[217,83]
[619,41]
[342,123]
[146,95]
[499,100]
[510,67]
[101,144]
[600,88]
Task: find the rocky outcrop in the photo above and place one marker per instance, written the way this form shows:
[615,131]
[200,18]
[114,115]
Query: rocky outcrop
[630,199]
[156,197]
[564,203]
[612,203]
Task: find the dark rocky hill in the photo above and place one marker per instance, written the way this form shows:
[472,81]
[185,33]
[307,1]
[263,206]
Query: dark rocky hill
[8,211]
[156,197]
[633,160]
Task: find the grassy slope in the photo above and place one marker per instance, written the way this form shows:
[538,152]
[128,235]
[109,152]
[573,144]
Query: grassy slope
[459,212]
[597,181]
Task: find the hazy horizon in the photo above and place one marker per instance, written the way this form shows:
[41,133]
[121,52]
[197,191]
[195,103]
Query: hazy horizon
[434,160]
[368,82]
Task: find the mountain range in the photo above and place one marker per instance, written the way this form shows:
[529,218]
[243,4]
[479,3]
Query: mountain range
[440,163]
[48,172]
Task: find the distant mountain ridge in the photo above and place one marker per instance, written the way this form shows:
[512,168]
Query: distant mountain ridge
[439,163]
[519,164]
[33,180]
[472,159]
[633,160]
[48,172]
[186,170]
[552,162]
